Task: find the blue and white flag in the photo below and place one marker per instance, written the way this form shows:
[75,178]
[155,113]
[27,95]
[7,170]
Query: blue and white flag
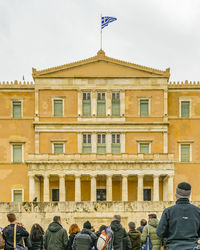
[105,20]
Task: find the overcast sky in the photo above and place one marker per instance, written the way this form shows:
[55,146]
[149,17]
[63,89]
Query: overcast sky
[48,33]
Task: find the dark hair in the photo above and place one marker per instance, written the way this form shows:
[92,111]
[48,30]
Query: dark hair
[152,216]
[143,222]
[117,217]
[37,232]
[74,229]
[56,218]
[131,225]
[102,227]
[11,217]
[87,225]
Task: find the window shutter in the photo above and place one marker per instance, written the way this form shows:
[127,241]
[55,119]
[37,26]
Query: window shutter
[185,109]
[17,195]
[17,153]
[185,153]
[87,148]
[58,148]
[115,108]
[144,107]
[101,149]
[116,148]
[101,108]
[17,110]
[144,148]
[86,108]
[58,107]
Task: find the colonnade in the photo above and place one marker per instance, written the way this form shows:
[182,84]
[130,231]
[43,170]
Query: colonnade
[167,185]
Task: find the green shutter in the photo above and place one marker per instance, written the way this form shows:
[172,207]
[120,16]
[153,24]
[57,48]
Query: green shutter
[17,195]
[115,107]
[144,107]
[87,148]
[86,108]
[17,112]
[101,148]
[185,153]
[144,148]
[17,153]
[101,108]
[58,107]
[116,148]
[58,148]
[185,109]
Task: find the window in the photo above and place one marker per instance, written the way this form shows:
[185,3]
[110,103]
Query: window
[144,148]
[17,109]
[101,194]
[101,104]
[185,109]
[144,108]
[58,148]
[87,145]
[101,143]
[55,194]
[58,107]
[115,104]
[86,104]
[116,146]
[185,152]
[147,194]
[17,195]
[17,156]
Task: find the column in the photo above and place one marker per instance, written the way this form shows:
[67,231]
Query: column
[165,184]
[123,143]
[124,188]
[31,187]
[62,188]
[46,188]
[165,142]
[108,103]
[37,142]
[93,103]
[77,188]
[109,188]
[80,142]
[80,103]
[93,188]
[122,103]
[165,105]
[156,188]
[94,143]
[170,187]
[140,196]
[108,143]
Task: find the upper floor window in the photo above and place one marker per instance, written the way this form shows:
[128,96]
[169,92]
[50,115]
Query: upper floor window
[101,104]
[58,107]
[185,152]
[116,104]
[101,143]
[87,143]
[17,195]
[58,148]
[17,153]
[17,109]
[116,146]
[185,109]
[144,107]
[86,104]
[144,148]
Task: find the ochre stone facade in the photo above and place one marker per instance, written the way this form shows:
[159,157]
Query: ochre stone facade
[127,175]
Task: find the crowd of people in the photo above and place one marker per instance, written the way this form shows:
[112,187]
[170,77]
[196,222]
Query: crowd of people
[178,229]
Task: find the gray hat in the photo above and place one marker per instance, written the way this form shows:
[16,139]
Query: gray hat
[183,190]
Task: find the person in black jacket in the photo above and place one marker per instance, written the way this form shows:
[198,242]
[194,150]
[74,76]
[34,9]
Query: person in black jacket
[73,230]
[8,233]
[180,224]
[143,223]
[36,237]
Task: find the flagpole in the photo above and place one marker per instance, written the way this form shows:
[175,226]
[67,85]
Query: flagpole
[101,34]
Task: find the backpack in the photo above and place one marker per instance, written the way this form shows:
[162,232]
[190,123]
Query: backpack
[2,241]
[105,240]
[148,244]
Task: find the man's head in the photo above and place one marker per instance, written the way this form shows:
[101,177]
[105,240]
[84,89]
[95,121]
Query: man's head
[131,225]
[11,218]
[57,219]
[143,222]
[117,217]
[152,216]
[183,190]
[87,225]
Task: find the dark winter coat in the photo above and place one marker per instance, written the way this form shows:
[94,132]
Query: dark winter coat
[127,245]
[140,229]
[37,245]
[70,242]
[84,240]
[180,225]
[56,237]
[119,234]
[8,235]
[151,228]
[135,239]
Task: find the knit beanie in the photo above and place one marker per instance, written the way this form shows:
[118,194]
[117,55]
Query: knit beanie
[87,225]
[183,190]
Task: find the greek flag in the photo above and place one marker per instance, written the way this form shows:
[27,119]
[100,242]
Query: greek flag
[105,20]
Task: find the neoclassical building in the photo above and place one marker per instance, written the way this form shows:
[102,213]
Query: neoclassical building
[99,129]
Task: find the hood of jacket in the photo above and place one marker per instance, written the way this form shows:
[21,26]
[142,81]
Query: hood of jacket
[133,234]
[115,225]
[154,222]
[54,227]
[86,231]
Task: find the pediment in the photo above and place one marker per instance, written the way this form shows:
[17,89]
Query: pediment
[100,66]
